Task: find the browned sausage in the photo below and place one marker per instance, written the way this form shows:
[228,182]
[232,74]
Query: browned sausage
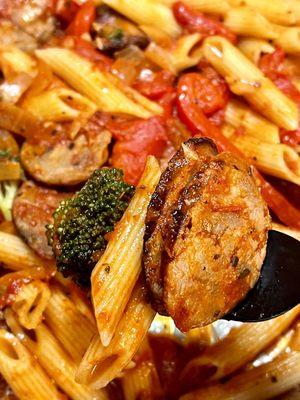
[206,234]
[65,161]
[32,210]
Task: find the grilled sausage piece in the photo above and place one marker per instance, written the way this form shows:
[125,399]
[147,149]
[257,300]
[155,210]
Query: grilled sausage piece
[65,161]
[32,210]
[206,235]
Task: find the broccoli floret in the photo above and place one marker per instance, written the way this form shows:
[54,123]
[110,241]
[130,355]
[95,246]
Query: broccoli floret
[8,190]
[80,224]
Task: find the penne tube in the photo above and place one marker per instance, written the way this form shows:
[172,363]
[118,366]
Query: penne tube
[97,85]
[245,21]
[59,105]
[276,11]
[16,254]
[278,160]
[199,337]
[254,48]
[242,345]
[30,302]
[178,56]
[245,79]
[78,296]
[294,6]
[148,12]
[101,364]
[289,39]
[239,115]
[70,327]
[53,358]
[275,350]
[142,380]
[16,60]
[22,371]
[209,6]
[264,382]
[117,271]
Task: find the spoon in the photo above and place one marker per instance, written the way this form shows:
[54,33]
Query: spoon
[278,288]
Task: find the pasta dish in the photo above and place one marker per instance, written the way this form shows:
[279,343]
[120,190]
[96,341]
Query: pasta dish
[146,149]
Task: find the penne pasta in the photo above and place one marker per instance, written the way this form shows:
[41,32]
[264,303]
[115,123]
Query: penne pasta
[245,21]
[239,115]
[30,303]
[210,6]
[289,39]
[277,11]
[264,382]
[117,271]
[178,57]
[294,6]
[278,160]
[16,254]
[70,327]
[254,48]
[204,336]
[245,79]
[142,380]
[102,364]
[16,60]
[96,85]
[148,12]
[52,357]
[60,104]
[78,297]
[242,345]
[22,371]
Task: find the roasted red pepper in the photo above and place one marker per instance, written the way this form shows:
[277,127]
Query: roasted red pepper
[154,85]
[135,140]
[195,21]
[83,20]
[158,86]
[191,113]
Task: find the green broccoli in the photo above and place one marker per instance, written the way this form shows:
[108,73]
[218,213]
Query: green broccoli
[8,189]
[77,234]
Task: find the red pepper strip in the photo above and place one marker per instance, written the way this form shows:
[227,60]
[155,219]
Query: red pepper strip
[83,19]
[135,140]
[159,87]
[197,122]
[195,21]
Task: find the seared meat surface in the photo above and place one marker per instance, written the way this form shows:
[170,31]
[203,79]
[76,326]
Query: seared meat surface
[32,211]
[206,235]
[65,161]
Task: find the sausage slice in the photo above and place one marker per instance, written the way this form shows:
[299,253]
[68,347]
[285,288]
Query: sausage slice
[63,161]
[206,235]
[32,211]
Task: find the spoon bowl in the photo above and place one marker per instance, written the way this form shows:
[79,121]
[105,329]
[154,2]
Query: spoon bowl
[278,288]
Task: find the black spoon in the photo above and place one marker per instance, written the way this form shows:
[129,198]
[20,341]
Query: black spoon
[278,288]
